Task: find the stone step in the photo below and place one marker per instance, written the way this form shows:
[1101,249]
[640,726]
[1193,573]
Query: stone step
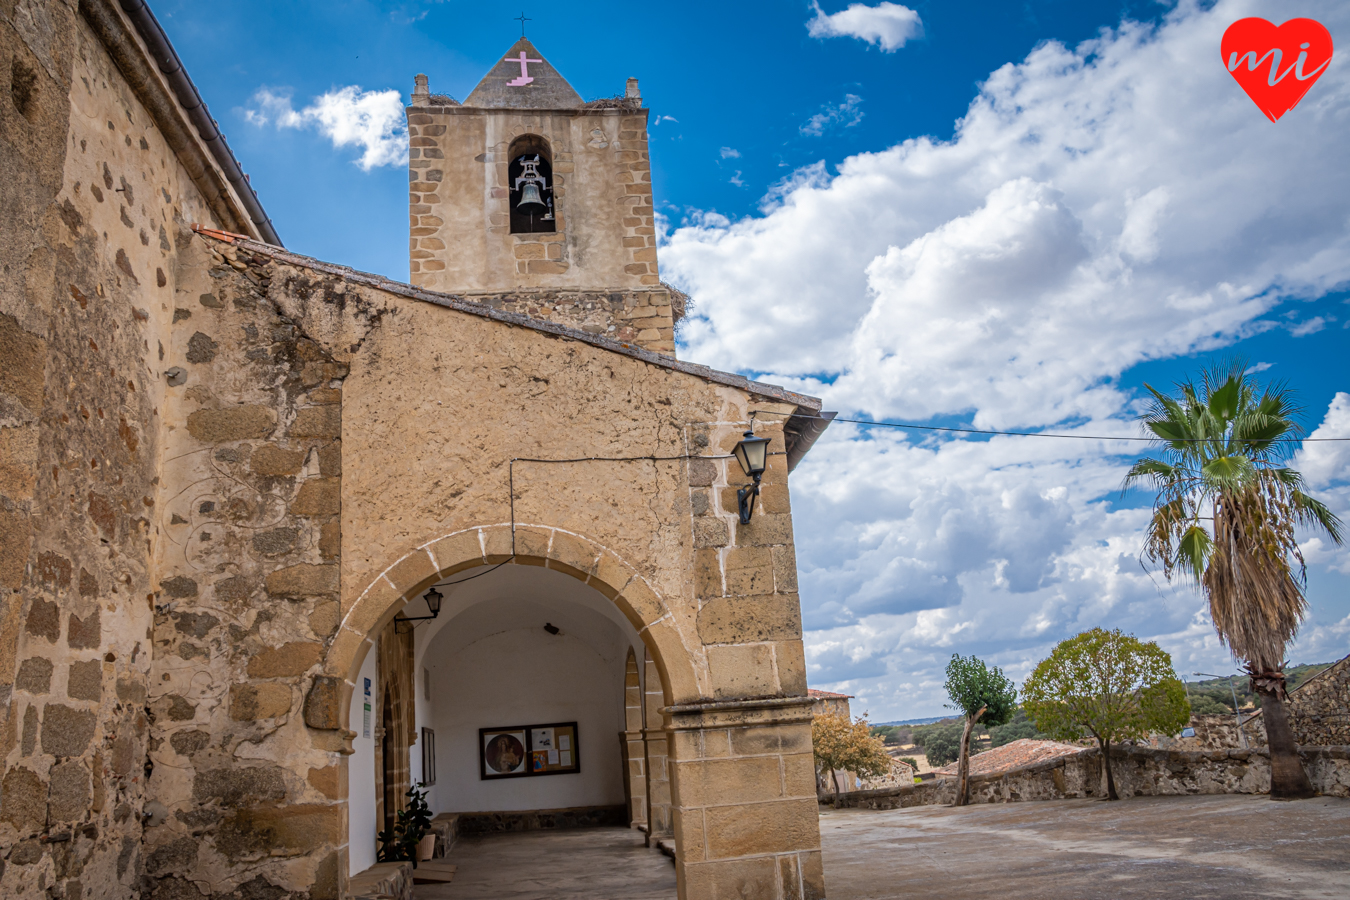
[382,881]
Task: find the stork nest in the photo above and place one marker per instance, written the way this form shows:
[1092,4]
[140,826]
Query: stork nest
[680,304]
[630,104]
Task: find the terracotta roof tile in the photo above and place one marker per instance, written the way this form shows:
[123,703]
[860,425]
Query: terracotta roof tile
[1013,755]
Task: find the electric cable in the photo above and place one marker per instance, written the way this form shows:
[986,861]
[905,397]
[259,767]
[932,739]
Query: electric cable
[1045,434]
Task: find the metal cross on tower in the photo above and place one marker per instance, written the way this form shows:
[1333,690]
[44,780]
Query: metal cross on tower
[522,20]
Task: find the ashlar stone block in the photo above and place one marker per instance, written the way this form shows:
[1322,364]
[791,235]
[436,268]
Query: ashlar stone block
[709,782]
[303,580]
[741,620]
[249,702]
[239,423]
[742,670]
[776,827]
[735,879]
[288,660]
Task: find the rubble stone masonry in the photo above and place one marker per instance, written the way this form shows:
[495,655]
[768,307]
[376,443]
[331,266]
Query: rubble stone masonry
[1138,771]
[1319,710]
[93,202]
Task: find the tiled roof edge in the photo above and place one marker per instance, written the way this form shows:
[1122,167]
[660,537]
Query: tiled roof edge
[452,301]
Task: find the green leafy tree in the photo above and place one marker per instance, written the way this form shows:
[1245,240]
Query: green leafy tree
[1207,705]
[941,742]
[983,695]
[1109,686]
[891,734]
[1016,729]
[1224,518]
[844,745]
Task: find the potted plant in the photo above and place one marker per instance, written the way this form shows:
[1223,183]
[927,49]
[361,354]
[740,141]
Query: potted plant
[412,826]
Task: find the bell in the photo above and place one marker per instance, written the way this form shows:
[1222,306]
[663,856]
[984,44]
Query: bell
[529,195]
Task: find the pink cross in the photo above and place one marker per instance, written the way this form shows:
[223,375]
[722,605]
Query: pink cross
[524,70]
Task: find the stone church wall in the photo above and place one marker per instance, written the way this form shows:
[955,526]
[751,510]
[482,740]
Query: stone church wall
[222,471]
[93,202]
[317,473]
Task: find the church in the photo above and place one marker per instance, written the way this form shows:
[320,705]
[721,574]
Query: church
[281,540]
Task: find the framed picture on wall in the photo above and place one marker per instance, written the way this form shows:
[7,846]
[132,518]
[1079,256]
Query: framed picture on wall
[528,750]
[501,752]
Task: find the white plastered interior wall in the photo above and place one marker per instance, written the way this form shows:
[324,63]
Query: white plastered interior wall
[361,825]
[492,664]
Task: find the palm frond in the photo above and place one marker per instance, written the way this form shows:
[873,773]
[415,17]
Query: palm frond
[1312,513]
[1194,550]
[1229,472]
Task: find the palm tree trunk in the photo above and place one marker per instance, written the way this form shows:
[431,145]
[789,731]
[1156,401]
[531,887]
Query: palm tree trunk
[963,760]
[1288,781]
[1110,777]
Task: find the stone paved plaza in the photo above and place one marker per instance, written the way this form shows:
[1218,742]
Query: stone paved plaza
[590,863]
[1197,848]
[1226,846]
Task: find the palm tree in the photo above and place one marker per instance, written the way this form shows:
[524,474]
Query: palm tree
[1224,518]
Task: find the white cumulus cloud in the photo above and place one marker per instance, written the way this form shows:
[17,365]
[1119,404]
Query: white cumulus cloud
[889,25]
[348,116]
[1097,207]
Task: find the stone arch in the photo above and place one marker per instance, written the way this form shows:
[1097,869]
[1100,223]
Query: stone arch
[539,545]
[530,142]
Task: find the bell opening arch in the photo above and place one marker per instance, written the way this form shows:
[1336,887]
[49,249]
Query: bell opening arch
[529,178]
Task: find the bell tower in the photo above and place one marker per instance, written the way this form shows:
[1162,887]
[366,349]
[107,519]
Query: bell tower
[527,198]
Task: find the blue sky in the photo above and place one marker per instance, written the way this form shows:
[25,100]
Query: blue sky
[952,212]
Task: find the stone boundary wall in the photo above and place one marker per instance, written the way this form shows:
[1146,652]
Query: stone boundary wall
[1139,772]
[1320,707]
[1319,710]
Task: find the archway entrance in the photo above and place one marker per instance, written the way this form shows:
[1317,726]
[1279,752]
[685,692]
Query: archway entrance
[533,705]
[725,728]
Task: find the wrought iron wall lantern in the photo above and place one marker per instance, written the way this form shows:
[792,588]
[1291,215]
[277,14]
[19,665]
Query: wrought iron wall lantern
[433,599]
[752,453]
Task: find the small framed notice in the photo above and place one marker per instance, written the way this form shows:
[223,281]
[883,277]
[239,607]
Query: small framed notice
[528,750]
[365,712]
[428,756]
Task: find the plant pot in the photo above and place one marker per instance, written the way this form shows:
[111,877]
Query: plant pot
[426,847]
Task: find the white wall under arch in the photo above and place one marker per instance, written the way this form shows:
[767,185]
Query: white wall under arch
[492,664]
[361,825]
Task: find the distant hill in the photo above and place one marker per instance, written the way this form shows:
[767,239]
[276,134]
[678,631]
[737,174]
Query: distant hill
[1214,687]
[1217,689]
[927,721]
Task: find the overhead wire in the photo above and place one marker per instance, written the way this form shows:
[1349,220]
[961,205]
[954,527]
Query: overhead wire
[1045,434]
